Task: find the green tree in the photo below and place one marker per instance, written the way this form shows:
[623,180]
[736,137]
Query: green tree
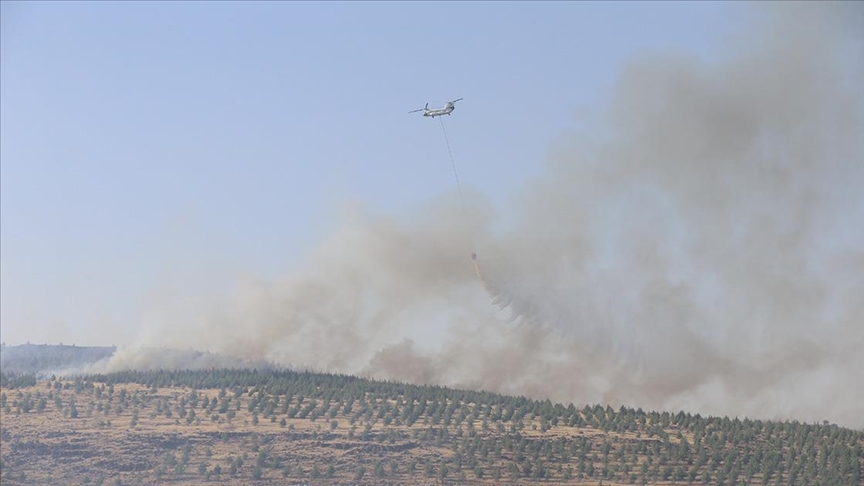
[379,469]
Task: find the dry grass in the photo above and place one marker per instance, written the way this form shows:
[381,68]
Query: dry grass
[105,444]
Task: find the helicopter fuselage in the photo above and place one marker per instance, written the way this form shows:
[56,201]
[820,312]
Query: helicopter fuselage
[446,111]
[434,113]
[448,108]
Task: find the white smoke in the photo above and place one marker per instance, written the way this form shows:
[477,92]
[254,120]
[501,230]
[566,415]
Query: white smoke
[706,254]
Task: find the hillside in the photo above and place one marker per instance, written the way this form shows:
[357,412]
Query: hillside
[253,427]
[46,358]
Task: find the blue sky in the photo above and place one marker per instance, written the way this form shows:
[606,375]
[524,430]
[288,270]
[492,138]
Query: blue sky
[139,138]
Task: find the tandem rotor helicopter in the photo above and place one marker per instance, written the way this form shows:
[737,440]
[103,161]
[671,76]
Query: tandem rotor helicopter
[448,108]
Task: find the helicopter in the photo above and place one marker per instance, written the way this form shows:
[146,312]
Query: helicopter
[448,108]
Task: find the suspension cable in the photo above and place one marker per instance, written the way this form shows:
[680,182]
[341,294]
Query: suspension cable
[459,187]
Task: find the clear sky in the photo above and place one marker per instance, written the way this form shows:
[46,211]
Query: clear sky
[146,141]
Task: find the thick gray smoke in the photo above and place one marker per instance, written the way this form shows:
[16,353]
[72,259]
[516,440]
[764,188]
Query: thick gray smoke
[701,248]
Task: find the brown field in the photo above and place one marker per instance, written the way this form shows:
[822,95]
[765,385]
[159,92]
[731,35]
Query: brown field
[128,436]
[52,448]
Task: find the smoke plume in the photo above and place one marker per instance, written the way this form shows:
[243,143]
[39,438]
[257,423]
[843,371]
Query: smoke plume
[700,248]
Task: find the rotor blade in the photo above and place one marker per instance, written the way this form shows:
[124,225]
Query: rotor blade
[415,111]
[454,101]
